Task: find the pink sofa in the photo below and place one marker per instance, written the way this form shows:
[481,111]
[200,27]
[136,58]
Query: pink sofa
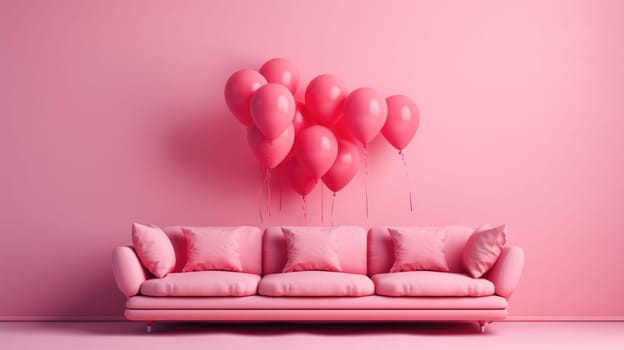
[363,291]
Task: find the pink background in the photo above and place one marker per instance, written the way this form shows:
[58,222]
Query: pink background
[112,112]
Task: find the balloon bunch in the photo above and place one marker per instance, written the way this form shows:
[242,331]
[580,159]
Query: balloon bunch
[318,139]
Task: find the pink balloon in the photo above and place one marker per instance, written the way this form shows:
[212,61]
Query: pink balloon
[316,149]
[341,130]
[324,97]
[270,152]
[300,122]
[281,71]
[238,91]
[403,121]
[365,114]
[345,167]
[272,109]
[303,182]
[301,119]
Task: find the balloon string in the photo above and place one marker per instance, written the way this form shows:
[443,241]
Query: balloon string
[332,209]
[322,203]
[279,181]
[260,202]
[304,209]
[366,178]
[267,180]
[407,175]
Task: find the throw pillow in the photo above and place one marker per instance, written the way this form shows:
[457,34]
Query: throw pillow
[212,248]
[311,249]
[483,249]
[154,249]
[418,248]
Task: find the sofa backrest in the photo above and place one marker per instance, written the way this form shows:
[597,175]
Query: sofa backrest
[381,252]
[351,250]
[250,247]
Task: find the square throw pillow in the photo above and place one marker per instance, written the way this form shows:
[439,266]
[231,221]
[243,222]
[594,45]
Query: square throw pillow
[311,249]
[154,249]
[483,249]
[212,248]
[418,248]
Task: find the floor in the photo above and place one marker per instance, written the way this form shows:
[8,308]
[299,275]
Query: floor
[276,336]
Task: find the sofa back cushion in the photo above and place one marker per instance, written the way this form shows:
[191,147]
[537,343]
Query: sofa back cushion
[250,247]
[351,249]
[381,251]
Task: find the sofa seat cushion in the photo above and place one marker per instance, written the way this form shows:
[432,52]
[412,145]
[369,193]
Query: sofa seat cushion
[202,283]
[315,284]
[371,302]
[431,283]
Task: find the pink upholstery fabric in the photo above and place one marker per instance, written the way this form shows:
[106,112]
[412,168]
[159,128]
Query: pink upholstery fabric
[316,315]
[430,283]
[250,248]
[311,249]
[381,254]
[202,283]
[176,236]
[315,284]
[507,271]
[153,249]
[212,249]
[418,249]
[370,302]
[351,250]
[483,249]
[128,271]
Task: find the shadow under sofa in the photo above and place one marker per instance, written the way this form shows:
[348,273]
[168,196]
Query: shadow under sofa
[363,291]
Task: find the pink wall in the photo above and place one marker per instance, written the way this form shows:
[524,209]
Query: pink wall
[112,112]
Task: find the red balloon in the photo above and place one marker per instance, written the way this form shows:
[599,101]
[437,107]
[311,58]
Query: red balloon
[324,97]
[365,114]
[238,91]
[281,71]
[270,152]
[317,148]
[303,182]
[403,121]
[272,109]
[345,167]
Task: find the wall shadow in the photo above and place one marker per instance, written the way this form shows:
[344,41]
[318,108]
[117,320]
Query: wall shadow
[210,145]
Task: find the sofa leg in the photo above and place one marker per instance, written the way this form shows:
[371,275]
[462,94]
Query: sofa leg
[482,326]
[149,326]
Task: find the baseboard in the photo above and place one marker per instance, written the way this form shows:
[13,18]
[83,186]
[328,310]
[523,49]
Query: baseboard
[114,318]
[577,318]
[63,318]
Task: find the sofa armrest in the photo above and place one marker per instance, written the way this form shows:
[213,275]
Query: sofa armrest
[128,271]
[505,274]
